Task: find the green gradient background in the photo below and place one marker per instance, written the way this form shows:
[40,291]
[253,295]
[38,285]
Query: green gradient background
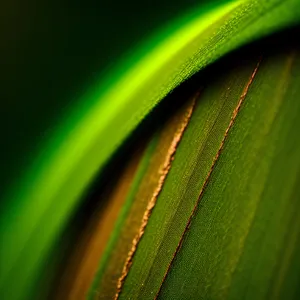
[77,80]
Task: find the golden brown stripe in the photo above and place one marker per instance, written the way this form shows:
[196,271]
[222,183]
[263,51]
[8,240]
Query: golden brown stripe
[163,174]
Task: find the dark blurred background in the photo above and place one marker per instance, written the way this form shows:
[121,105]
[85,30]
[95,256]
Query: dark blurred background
[51,52]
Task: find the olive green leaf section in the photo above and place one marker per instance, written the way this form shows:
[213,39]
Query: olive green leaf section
[215,111]
[148,180]
[243,239]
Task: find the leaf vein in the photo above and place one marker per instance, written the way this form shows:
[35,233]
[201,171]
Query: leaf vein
[164,170]
[231,123]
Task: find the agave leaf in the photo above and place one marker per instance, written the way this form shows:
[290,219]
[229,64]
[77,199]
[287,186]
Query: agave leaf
[242,239]
[226,222]
[192,164]
[51,190]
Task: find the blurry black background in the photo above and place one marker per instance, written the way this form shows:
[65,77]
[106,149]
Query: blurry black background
[52,51]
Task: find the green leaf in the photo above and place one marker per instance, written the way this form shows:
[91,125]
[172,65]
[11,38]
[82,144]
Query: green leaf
[40,204]
[225,225]
[191,167]
[242,238]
